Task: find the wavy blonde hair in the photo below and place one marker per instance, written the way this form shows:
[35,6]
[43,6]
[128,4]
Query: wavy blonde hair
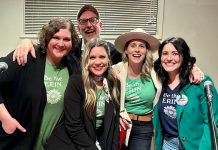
[148,62]
[89,85]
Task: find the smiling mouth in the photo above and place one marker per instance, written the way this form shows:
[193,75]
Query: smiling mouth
[136,55]
[90,31]
[98,69]
[59,49]
[169,64]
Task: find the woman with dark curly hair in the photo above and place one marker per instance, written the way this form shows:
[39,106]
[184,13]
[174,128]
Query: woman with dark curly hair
[32,97]
[181,114]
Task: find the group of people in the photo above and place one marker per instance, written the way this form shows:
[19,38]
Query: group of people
[73,93]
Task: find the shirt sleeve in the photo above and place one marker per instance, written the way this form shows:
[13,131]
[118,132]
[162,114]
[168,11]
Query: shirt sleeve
[73,107]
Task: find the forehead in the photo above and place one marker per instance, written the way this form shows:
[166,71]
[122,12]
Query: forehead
[87,14]
[139,41]
[169,47]
[64,32]
[98,50]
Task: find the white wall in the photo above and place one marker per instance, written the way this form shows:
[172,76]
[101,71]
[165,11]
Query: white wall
[194,20]
[10,18]
[197,22]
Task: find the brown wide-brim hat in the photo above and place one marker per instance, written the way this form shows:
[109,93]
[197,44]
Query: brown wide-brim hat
[136,34]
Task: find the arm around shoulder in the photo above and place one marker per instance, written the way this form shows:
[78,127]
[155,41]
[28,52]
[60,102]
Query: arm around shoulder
[22,50]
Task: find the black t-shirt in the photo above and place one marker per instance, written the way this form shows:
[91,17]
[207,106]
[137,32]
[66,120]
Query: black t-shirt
[167,111]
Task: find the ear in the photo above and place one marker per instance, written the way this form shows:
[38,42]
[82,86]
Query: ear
[100,24]
[87,66]
[78,28]
[125,51]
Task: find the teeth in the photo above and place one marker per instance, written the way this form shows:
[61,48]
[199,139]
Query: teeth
[169,64]
[136,55]
[89,31]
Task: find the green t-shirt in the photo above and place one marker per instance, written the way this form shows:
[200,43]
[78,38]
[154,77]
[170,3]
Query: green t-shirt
[55,80]
[139,96]
[100,107]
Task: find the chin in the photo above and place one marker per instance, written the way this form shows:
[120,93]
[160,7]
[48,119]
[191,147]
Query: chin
[98,74]
[171,70]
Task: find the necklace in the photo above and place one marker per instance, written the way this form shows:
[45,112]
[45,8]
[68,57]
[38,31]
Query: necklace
[98,78]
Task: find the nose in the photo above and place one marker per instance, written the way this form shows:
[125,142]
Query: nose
[61,43]
[169,57]
[88,24]
[98,61]
[137,48]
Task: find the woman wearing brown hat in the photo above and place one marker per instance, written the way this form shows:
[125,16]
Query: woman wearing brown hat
[139,87]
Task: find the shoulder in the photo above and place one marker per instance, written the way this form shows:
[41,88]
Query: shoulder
[76,78]
[75,81]
[119,65]
[206,78]
[111,46]
[197,89]
[40,53]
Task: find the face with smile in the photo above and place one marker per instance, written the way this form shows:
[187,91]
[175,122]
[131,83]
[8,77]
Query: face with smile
[98,61]
[89,26]
[136,52]
[171,60]
[59,46]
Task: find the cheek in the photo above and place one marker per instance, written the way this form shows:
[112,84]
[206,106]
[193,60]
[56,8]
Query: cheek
[179,60]
[106,61]
[69,45]
[89,67]
[90,63]
[51,43]
[162,60]
[180,63]
[144,51]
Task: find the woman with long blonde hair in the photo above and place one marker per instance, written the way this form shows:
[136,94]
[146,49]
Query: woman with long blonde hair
[91,101]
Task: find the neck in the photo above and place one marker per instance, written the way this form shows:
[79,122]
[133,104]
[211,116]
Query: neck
[173,80]
[134,70]
[98,81]
[98,78]
[54,61]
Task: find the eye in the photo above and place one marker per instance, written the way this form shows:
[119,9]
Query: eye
[67,39]
[55,38]
[142,46]
[132,45]
[92,20]
[175,53]
[164,53]
[102,57]
[83,21]
[91,57]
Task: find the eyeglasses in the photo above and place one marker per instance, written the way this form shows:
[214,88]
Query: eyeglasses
[92,20]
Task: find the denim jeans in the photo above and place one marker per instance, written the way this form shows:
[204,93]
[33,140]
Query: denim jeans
[170,144]
[140,136]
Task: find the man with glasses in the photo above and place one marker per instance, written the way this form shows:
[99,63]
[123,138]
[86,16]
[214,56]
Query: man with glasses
[89,26]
